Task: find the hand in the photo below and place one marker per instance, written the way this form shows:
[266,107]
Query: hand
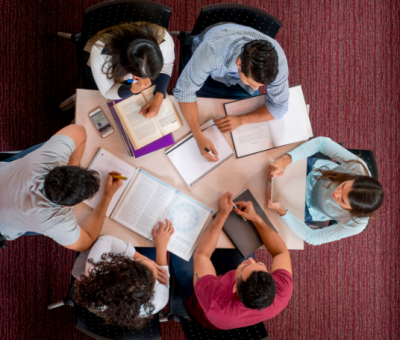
[203,143]
[274,206]
[277,168]
[246,210]
[162,234]
[140,85]
[226,203]
[228,123]
[162,274]
[150,110]
[112,184]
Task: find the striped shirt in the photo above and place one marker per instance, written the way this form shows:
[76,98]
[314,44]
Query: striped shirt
[215,52]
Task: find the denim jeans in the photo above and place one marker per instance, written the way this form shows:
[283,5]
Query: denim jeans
[214,89]
[224,260]
[19,156]
[310,163]
[149,252]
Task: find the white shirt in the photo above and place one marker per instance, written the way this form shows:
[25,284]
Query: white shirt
[106,86]
[111,244]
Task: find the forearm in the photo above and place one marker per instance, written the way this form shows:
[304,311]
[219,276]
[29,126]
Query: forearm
[94,222]
[208,241]
[191,115]
[161,256]
[270,238]
[76,156]
[261,114]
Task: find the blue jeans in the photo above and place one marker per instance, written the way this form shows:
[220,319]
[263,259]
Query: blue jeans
[19,156]
[214,89]
[149,252]
[310,163]
[224,260]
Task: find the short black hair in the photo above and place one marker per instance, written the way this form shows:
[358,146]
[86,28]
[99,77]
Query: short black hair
[70,185]
[259,61]
[258,291]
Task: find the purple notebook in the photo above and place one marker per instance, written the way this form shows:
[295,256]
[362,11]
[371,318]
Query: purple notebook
[161,143]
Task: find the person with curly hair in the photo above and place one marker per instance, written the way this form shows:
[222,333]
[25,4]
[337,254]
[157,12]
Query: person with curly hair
[121,285]
[344,193]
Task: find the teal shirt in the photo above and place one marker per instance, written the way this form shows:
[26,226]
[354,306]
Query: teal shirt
[319,200]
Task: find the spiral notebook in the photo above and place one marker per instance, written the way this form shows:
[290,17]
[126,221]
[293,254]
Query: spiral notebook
[187,159]
[244,234]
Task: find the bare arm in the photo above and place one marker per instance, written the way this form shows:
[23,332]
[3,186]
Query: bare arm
[78,134]
[191,114]
[230,123]
[272,241]
[202,264]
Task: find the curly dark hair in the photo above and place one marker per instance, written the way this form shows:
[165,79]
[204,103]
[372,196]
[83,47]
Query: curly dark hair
[70,185]
[117,288]
[259,61]
[258,291]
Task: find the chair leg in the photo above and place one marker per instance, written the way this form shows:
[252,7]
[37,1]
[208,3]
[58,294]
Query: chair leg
[68,103]
[56,304]
[64,35]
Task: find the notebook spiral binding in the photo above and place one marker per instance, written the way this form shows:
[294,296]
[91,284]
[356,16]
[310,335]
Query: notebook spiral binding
[213,168]
[229,236]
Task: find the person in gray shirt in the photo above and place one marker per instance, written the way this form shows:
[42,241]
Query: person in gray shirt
[40,185]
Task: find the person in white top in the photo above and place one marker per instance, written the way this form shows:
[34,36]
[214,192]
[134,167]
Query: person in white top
[139,51]
[119,284]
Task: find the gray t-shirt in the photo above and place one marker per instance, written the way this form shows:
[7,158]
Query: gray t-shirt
[23,206]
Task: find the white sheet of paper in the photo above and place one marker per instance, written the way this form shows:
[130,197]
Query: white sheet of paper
[104,163]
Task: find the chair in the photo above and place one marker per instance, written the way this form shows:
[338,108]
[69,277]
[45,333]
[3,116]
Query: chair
[234,13]
[110,13]
[367,156]
[92,325]
[194,331]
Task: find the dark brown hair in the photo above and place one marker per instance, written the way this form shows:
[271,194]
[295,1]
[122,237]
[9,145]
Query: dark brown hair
[116,289]
[132,48]
[366,194]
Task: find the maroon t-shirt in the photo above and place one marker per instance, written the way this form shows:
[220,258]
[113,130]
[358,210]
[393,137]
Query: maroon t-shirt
[215,306]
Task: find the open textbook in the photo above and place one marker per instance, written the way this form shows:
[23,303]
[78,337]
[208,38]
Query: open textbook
[145,200]
[142,131]
[295,126]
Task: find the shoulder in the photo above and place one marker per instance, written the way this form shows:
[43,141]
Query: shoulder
[283,281]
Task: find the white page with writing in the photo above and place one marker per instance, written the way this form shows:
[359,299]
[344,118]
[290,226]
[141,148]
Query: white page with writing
[249,138]
[291,128]
[189,219]
[103,163]
[144,204]
[143,131]
[190,163]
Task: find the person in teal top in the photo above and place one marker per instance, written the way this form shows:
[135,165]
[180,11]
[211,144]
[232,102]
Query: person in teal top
[344,192]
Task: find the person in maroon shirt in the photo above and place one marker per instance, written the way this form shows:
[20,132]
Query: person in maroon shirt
[220,289]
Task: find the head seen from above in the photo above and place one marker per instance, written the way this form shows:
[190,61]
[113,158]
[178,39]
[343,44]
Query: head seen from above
[119,288]
[258,64]
[254,285]
[133,48]
[359,195]
[70,185]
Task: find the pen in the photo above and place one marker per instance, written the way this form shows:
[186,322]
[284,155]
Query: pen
[119,177]
[209,151]
[131,81]
[238,209]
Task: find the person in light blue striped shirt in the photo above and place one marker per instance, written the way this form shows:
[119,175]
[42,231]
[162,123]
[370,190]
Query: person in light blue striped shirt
[232,61]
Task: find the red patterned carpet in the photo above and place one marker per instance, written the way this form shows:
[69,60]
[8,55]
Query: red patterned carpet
[346,55]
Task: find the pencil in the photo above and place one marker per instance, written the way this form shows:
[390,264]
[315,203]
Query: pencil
[119,177]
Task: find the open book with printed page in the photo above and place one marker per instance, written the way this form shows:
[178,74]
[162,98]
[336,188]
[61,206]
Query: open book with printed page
[144,200]
[294,126]
[142,131]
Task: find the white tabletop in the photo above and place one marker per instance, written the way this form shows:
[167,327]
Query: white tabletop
[234,175]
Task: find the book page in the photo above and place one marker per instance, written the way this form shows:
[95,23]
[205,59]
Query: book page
[141,131]
[291,128]
[249,138]
[145,202]
[104,163]
[168,119]
[190,163]
[189,219]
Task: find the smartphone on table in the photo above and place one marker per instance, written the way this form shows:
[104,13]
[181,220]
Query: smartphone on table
[101,122]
